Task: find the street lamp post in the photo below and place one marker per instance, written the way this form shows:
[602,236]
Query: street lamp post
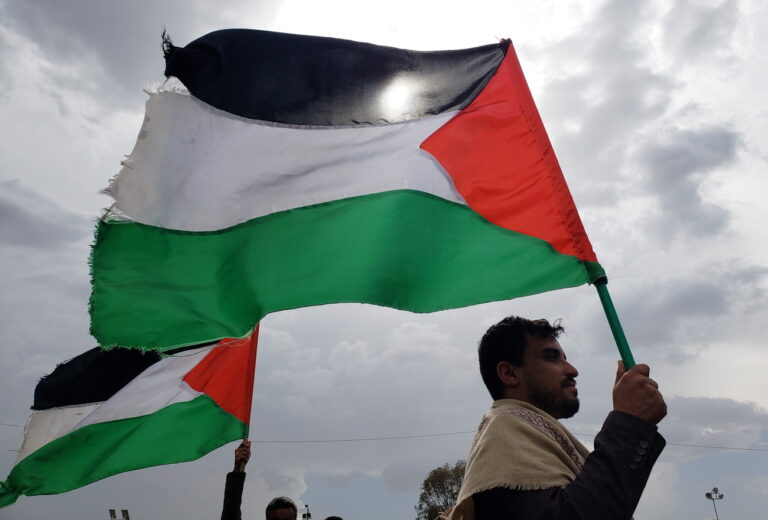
[714,495]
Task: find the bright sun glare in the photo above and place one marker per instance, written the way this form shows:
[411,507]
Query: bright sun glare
[395,98]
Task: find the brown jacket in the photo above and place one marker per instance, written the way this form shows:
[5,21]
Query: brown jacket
[608,487]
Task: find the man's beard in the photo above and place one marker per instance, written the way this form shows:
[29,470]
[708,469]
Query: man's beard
[555,403]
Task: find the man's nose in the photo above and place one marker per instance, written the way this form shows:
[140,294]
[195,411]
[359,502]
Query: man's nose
[570,370]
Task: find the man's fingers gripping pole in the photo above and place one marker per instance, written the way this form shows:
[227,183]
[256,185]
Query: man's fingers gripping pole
[242,455]
[620,371]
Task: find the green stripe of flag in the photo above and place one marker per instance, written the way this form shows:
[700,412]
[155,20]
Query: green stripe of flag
[177,433]
[402,249]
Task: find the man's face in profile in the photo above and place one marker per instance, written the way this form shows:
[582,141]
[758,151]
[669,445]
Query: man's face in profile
[282,514]
[548,378]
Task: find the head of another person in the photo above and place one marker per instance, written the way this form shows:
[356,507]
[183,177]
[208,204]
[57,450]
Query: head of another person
[333,518]
[281,508]
[522,359]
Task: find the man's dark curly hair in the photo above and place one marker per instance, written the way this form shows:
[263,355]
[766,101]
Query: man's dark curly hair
[506,341]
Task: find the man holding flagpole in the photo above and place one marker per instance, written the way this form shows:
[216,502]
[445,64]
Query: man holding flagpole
[525,464]
[279,508]
[233,489]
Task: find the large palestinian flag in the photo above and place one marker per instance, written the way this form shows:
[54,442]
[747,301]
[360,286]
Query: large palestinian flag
[302,171]
[107,412]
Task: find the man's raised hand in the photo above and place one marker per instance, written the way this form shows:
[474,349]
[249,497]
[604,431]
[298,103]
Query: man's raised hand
[637,394]
[242,454]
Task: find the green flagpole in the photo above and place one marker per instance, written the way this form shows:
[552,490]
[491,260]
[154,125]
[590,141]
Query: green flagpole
[613,320]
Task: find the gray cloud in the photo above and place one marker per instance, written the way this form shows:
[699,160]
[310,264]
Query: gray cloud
[344,479]
[420,362]
[750,294]
[277,482]
[406,475]
[685,152]
[5,63]
[28,219]
[693,30]
[678,318]
[608,108]
[675,166]
[596,112]
[119,42]
[660,314]
[714,422]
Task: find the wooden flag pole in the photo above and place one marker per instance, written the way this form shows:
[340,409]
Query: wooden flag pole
[613,321]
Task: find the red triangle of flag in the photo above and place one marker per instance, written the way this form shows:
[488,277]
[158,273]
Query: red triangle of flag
[226,375]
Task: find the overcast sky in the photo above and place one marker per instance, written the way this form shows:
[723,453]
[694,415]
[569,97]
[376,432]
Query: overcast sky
[658,114]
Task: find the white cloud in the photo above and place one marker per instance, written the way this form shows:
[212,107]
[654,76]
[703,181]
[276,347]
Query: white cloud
[352,359]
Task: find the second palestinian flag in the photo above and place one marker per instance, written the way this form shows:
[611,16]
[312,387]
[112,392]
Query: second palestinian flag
[107,412]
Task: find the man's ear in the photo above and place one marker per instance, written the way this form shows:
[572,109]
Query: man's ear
[508,373]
